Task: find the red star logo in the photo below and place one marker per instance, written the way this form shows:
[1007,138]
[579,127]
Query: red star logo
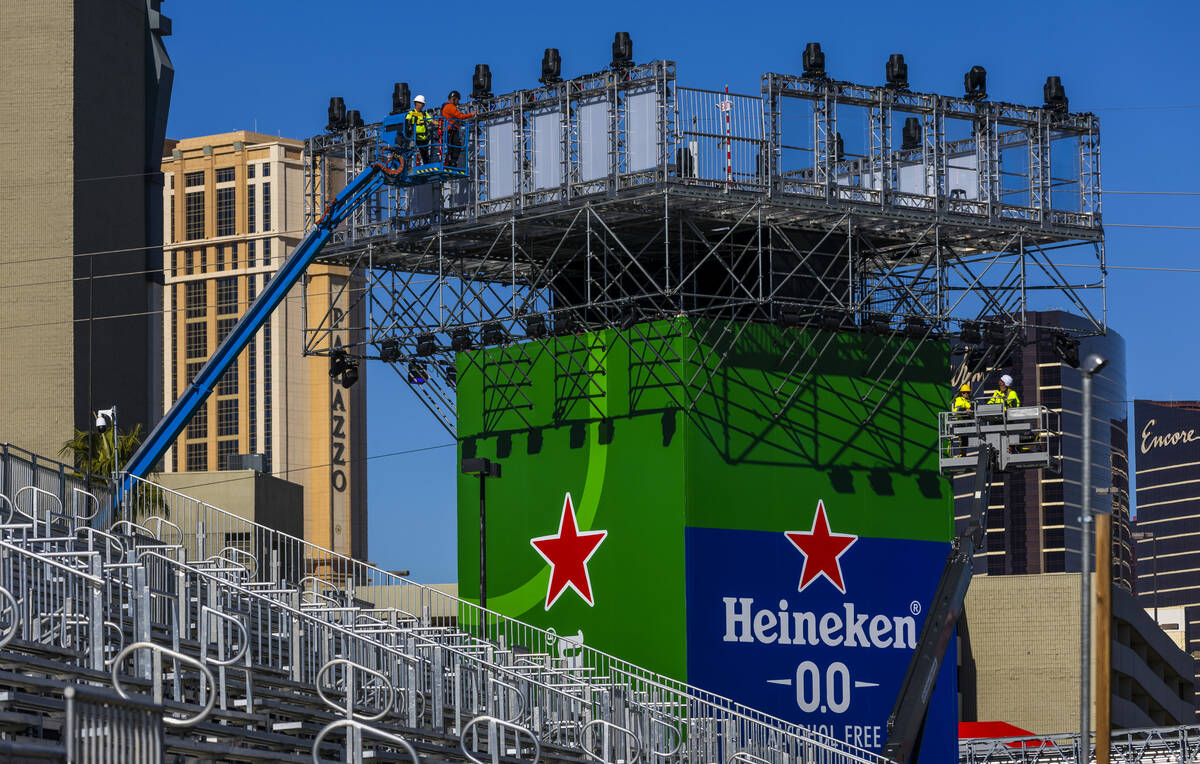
[822,551]
[568,553]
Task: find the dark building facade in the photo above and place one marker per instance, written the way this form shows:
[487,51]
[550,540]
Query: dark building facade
[1167,457]
[1033,518]
[83,111]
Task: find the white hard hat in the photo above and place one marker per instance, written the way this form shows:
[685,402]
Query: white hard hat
[1006,379]
[419,99]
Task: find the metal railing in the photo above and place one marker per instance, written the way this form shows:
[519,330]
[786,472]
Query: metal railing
[483,641]
[1152,744]
[103,728]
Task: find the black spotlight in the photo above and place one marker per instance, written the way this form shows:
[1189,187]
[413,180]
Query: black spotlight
[535,327]
[1066,348]
[970,333]
[916,328]
[789,315]
[565,325]
[975,84]
[622,51]
[897,72]
[814,61]
[451,375]
[339,361]
[417,375]
[481,82]
[354,119]
[1055,94]
[831,320]
[839,148]
[551,67]
[389,351]
[993,334]
[494,334]
[337,114]
[879,323]
[349,377]
[401,97]
[426,344]
[911,135]
[460,339]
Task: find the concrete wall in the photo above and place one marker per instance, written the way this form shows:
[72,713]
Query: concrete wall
[256,496]
[1019,642]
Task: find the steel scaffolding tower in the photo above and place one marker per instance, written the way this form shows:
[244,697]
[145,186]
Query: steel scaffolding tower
[621,201]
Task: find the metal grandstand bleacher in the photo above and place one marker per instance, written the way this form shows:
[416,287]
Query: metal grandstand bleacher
[171,630]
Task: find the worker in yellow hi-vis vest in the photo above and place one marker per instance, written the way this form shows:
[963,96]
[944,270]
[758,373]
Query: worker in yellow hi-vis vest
[1005,394]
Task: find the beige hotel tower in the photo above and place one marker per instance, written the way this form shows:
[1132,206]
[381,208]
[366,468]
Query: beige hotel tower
[233,210]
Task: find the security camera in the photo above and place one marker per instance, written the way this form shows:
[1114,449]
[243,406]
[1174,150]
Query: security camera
[105,419]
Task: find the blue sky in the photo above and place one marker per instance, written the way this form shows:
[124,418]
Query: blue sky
[272,66]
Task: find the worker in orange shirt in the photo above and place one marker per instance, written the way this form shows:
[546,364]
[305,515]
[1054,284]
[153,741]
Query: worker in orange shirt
[453,135]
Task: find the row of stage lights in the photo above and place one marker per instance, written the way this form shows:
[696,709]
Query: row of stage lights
[813,61]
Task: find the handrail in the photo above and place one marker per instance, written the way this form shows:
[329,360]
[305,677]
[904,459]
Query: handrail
[349,707]
[76,492]
[187,721]
[161,522]
[250,571]
[46,560]
[491,720]
[396,739]
[245,634]
[607,725]
[109,540]
[515,691]
[16,616]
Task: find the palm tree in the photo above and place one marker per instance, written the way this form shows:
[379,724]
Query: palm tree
[92,454]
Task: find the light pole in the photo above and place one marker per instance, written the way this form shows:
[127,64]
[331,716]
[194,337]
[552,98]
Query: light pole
[1092,365]
[483,469]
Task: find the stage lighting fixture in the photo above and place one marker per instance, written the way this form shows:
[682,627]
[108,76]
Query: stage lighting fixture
[401,98]
[814,61]
[564,325]
[831,320]
[975,84]
[970,333]
[911,134]
[354,119]
[879,323]
[789,316]
[451,375]
[916,328]
[535,327]
[349,377]
[339,361]
[389,351]
[994,334]
[417,375]
[337,114]
[897,72]
[1055,95]
[460,340]
[426,344]
[839,148]
[1066,348]
[494,334]
[622,50]
[481,82]
[551,67]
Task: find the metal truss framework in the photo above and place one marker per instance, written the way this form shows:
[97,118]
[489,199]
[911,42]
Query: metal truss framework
[678,215]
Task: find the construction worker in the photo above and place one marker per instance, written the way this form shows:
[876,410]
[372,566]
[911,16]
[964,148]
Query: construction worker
[1005,394]
[453,136]
[419,127]
[962,401]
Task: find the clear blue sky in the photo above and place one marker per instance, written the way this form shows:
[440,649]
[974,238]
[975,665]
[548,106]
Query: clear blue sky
[273,65]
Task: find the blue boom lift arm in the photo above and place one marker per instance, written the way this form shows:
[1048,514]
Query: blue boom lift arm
[351,197]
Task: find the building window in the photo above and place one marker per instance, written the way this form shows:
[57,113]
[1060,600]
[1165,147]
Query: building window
[227,417]
[266,206]
[194,214]
[267,395]
[266,173]
[225,450]
[224,327]
[193,179]
[266,254]
[1052,491]
[1055,538]
[995,566]
[197,340]
[229,381]
[1052,398]
[251,254]
[198,427]
[1056,562]
[193,370]
[197,457]
[226,175]
[251,210]
[227,295]
[171,181]
[249,171]
[171,215]
[226,211]
[1051,375]
[196,302]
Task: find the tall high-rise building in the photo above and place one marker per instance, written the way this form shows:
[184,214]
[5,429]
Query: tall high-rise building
[1166,446]
[83,112]
[1033,517]
[234,211]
